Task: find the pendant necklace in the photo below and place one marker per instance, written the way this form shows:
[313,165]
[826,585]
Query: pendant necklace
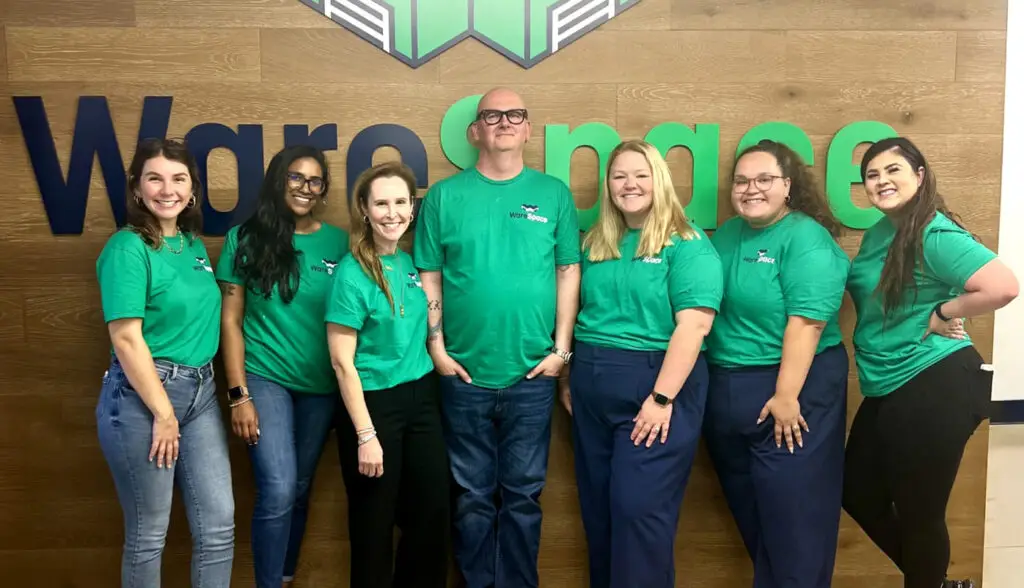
[401,304]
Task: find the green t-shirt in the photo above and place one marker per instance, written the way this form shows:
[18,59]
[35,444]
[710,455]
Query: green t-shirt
[287,343]
[889,351]
[391,349]
[175,295]
[790,268]
[631,302]
[497,244]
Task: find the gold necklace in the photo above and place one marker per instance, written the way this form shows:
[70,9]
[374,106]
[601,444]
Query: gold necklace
[181,245]
[401,286]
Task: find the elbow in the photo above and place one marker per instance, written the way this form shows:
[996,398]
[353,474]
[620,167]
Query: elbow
[1007,294]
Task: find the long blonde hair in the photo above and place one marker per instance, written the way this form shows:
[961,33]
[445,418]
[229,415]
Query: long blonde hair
[666,217]
[361,234]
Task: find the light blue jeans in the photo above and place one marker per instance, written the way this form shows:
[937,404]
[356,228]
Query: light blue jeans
[202,473]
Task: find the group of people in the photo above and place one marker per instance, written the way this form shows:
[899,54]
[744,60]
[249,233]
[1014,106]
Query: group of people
[439,370]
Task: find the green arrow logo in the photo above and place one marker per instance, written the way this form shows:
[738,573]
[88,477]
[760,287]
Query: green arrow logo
[416,31]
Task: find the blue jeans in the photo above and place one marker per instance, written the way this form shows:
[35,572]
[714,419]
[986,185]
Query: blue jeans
[293,429]
[498,443]
[202,472]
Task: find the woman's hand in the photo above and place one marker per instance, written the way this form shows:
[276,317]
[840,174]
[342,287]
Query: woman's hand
[788,420]
[446,366]
[245,422]
[371,459]
[651,421]
[952,329]
[165,441]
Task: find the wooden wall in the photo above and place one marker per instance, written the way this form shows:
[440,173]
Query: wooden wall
[932,69]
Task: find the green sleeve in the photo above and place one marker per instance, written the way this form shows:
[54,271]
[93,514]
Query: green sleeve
[953,255]
[813,281]
[567,231]
[694,275]
[427,252]
[347,305]
[123,274]
[225,271]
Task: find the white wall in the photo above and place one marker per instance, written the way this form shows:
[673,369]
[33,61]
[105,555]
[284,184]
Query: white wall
[1008,335]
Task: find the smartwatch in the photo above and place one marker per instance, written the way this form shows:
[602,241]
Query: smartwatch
[661,399]
[237,393]
[938,312]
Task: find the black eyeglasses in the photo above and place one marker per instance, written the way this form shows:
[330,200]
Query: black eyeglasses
[493,117]
[297,180]
[762,183]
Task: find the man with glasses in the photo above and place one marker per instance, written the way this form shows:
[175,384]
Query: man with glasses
[497,246]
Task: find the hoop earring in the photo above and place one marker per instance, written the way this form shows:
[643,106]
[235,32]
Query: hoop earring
[366,219]
[191,202]
[138,200]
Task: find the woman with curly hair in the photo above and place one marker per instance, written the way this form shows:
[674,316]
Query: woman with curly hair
[276,272]
[776,415]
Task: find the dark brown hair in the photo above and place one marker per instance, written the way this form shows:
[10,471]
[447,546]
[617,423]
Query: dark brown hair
[140,219]
[907,249]
[804,194]
[361,233]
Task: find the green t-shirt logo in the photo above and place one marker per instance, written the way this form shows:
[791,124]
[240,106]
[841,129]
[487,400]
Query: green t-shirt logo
[204,265]
[529,213]
[328,266]
[762,257]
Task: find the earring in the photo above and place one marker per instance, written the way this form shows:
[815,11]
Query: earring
[366,219]
[138,200]
[191,202]
[787,199]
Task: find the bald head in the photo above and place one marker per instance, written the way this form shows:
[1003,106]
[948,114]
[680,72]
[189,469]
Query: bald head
[500,99]
[502,125]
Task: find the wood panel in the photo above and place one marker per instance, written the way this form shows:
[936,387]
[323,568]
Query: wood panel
[932,70]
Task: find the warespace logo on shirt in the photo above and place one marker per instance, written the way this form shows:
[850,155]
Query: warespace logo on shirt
[204,265]
[524,31]
[529,212]
[327,266]
[762,257]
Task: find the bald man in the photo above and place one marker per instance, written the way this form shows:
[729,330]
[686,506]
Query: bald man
[498,250]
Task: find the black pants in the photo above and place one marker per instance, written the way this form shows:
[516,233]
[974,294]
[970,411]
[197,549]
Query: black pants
[413,491]
[902,458]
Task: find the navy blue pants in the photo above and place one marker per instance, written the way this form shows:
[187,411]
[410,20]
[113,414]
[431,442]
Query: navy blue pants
[787,506]
[630,497]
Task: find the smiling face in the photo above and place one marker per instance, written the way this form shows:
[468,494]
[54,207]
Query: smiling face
[631,186]
[165,188]
[759,189]
[502,123]
[388,210]
[891,181]
[304,186]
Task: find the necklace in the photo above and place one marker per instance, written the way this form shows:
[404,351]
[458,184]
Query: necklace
[401,286]
[181,244]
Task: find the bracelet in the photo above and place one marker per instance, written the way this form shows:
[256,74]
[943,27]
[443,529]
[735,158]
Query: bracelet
[241,402]
[369,429]
[938,312]
[366,439]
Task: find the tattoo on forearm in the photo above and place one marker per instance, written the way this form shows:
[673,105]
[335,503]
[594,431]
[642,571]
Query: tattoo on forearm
[434,331]
[434,305]
[565,268]
[227,289]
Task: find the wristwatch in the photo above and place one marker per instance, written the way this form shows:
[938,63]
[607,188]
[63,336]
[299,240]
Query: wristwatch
[938,312]
[565,355]
[661,399]
[237,393]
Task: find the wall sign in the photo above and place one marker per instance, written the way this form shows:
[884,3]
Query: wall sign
[66,192]
[524,31]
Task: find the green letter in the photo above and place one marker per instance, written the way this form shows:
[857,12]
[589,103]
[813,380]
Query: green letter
[454,126]
[560,144]
[702,144]
[786,133]
[841,172]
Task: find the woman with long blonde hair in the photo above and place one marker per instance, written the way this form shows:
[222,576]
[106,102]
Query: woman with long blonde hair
[390,444]
[650,289]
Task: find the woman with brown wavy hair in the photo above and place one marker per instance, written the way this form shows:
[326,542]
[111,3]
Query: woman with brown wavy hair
[776,414]
[917,275]
[158,418]
[377,334]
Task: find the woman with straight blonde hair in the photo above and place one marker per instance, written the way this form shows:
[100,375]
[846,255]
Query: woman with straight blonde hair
[390,444]
[651,286]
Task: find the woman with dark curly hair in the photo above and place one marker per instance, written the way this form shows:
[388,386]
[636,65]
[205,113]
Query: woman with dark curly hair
[917,275]
[276,271]
[776,415]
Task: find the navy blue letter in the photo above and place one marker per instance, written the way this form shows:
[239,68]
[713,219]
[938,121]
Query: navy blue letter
[65,201]
[408,144]
[247,145]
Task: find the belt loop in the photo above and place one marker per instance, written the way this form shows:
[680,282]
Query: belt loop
[174,371]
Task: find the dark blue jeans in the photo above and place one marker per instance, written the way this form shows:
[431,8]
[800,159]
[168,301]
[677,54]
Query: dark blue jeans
[202,474]
[498,442]
[785,505]
[293,429]
[631,496]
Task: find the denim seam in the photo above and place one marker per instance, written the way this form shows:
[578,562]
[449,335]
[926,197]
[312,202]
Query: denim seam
[199,536]
[136,494]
